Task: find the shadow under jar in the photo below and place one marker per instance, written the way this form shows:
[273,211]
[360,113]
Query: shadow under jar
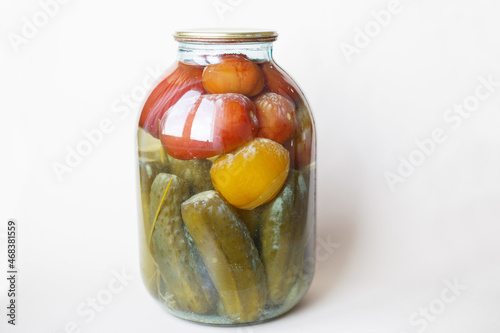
[226,144]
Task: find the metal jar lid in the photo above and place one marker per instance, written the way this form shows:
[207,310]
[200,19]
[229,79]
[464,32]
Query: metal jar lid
[225,35]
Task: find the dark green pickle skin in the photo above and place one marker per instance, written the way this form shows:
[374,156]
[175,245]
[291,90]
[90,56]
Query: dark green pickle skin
[229,253]
[178,271]
[277,230]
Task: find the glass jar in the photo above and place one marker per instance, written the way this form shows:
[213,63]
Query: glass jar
[226,146]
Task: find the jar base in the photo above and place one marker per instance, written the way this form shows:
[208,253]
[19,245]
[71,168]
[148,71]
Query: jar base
[270,313]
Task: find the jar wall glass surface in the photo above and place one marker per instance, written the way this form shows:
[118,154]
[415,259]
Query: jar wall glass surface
[227,185]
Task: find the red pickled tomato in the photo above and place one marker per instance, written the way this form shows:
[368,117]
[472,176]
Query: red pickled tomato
[276,116]
[302,145]
[301,149]
[279,82]
[184,80]
[234,74]
[208,125]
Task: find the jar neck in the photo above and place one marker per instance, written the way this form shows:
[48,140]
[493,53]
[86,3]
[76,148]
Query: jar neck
[206,54]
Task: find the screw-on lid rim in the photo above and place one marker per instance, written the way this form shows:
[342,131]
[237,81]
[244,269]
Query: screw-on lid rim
[225,35]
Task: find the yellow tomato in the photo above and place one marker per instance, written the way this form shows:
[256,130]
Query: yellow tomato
[252,174]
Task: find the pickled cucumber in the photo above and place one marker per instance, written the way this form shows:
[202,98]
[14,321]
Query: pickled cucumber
[183,286]
[301,233]
[229,254]
[148,170]
[195,172]
[152,161]
[277,237]
[206,282]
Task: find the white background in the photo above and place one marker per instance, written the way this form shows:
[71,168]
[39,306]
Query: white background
[393,251]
